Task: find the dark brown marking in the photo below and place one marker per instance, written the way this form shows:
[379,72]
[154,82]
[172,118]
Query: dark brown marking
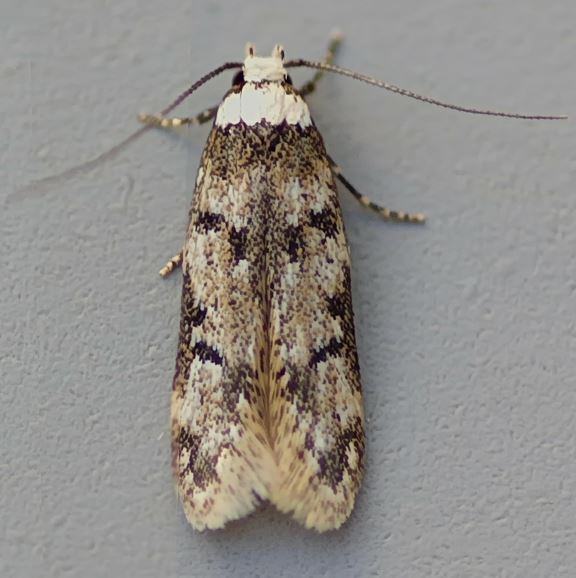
[295,241]
[206,353]
[331,349]
[207,221]
[334,462]
[238,239]
[325,220]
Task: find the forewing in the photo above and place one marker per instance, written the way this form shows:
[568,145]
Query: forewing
[221,456]
[315,403]
[267,402]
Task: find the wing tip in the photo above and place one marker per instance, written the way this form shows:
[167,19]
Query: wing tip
[218,514]
[315,512]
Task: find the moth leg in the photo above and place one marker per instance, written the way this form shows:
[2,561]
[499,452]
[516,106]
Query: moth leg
[386,214]
[174,263]
[335,42]
[164,122]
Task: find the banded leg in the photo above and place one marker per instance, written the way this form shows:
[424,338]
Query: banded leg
[165,122]
[335,42]
[174,263]
[386,214]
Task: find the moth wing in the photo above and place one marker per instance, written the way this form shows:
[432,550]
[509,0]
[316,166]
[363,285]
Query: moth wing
[221,455]
[267,402]
[315,403]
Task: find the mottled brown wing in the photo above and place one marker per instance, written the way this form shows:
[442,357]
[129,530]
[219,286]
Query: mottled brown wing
[266,402]
[315,404]
[221,455]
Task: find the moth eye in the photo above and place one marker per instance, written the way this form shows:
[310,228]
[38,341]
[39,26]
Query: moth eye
[282,54]
[238,78]
[288,79]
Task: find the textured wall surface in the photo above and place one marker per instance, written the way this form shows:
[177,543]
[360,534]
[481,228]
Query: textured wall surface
[466,327]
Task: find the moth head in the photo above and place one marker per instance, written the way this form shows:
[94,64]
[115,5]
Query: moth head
[258,68]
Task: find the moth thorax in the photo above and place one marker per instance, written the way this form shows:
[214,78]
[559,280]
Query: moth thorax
[257,68]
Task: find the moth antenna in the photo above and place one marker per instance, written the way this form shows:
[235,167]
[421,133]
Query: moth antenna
[199,83]
[116,149]
[404,92]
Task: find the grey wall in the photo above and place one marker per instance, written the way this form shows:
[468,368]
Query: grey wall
[465,326]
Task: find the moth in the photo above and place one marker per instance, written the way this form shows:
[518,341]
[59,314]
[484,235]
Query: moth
[266,400]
